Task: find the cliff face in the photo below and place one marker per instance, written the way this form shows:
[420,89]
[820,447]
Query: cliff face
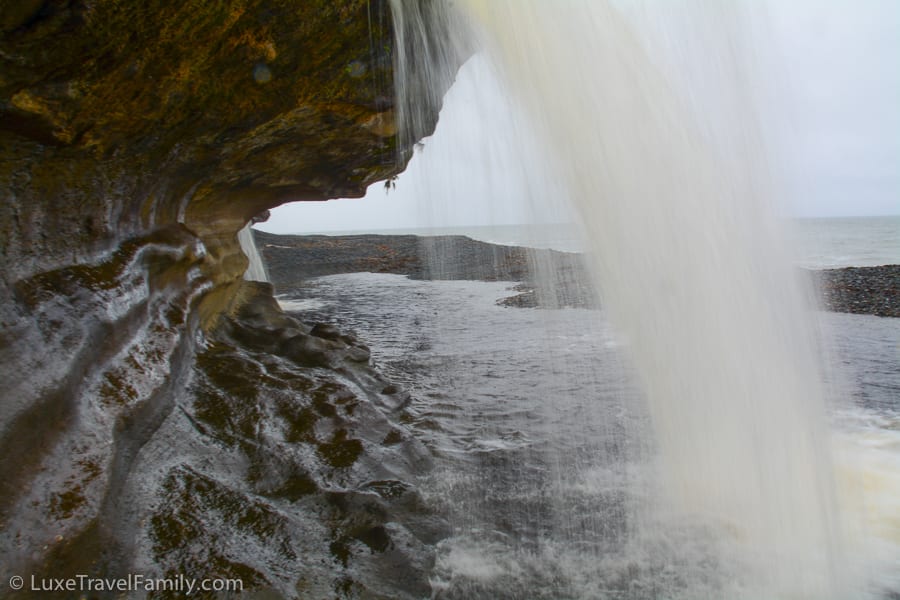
[120,117]
[146,413]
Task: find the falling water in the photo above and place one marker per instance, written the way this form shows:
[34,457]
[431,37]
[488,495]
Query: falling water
[688,256]
[692,274]
[256,270]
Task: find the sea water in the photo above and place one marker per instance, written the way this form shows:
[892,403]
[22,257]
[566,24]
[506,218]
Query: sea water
[673,193]
[531,415]
[826,243]
[688,440]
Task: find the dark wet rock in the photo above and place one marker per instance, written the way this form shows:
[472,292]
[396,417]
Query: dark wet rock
[399,398]
[261,217]
[326,330]
[359,354]
[293,260]
[258,321]
[861,290]
[351,339]
[289,441]
[525,298]
[340,451]
[309,351]
[147,420]
[393,437]
[305,422]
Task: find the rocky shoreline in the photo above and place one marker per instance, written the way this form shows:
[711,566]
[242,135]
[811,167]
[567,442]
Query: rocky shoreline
[159,414]
[293,259]
[860,290]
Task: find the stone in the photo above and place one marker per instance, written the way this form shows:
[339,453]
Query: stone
[358,354]
[309,351]
[136,140]
[326,331]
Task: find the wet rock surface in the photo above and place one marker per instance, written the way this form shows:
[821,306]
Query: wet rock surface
[291,260]
[272,455]
[861,290]
[299,476]
[158,415]
[294,259]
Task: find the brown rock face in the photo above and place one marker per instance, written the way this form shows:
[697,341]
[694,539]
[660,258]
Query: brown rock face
[121,117]
[136,139]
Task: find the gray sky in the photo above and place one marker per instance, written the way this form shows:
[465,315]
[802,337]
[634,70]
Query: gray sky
[842,61]
[827,86]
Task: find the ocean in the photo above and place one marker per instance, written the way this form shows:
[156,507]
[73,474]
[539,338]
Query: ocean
[545,464]
[847,242]
[818,243]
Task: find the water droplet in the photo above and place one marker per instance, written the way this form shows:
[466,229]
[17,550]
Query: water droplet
[262,73]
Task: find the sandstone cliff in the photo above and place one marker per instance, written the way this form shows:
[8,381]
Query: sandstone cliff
[155,408]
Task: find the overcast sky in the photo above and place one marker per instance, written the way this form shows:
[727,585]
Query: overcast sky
[828,83]
[842,61]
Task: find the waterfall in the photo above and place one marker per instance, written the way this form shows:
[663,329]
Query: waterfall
[256,270]
[687,253]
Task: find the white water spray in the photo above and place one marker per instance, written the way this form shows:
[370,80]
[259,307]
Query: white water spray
[688,257]
[256,270]
[691,270]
